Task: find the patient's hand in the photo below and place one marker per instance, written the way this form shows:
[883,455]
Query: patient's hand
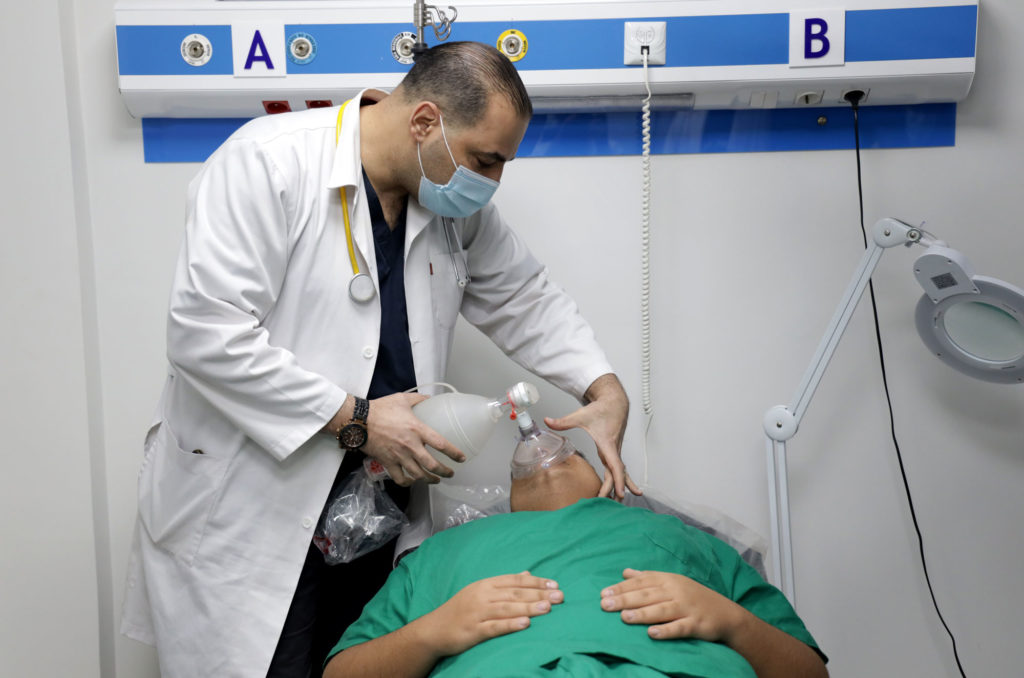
[489,608]
[674,606]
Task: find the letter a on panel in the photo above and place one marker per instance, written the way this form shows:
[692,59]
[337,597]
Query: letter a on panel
[817,38]
[258,50]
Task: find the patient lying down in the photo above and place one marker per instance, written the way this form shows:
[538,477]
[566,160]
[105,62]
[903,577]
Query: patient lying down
[568,584]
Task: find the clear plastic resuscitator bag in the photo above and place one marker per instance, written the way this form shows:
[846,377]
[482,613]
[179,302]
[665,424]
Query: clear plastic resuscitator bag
[359,518]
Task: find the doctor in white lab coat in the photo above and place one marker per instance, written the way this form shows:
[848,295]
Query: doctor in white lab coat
[269,351]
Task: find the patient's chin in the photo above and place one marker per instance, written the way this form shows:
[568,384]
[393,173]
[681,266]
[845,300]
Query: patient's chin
[556,487]
[532,501]
[549,500]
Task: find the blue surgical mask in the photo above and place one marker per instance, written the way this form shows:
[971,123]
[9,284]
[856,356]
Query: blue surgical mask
[465,193]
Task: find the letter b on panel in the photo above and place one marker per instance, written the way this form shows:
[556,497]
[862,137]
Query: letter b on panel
[817,38]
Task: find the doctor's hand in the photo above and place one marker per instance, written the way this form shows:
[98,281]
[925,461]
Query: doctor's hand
[397,439]
[604,419]
[489,608]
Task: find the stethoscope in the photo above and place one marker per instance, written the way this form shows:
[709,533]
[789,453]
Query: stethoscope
[361,287]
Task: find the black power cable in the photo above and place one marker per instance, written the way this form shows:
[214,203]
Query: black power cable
[854,97]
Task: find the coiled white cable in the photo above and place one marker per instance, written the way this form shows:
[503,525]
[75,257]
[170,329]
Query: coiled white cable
[645,265]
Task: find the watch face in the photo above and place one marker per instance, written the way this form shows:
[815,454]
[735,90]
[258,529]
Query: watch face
[352,437]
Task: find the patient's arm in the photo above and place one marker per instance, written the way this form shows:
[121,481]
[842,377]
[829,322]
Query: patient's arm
[484,609]
[676,606]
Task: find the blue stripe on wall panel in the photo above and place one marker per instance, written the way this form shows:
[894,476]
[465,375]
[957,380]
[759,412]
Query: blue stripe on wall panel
[599,134]
[350,48]
[922,33]
[185,139]
[156,50]
[677,132]
[555,45]
[752,39]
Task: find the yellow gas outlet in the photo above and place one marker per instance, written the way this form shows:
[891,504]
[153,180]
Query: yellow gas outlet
[513,44]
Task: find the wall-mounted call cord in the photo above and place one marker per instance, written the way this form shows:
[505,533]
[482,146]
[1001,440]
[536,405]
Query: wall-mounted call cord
[645,262]
[854,98]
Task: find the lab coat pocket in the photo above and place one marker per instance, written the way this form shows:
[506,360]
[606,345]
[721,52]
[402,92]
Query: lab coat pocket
[177,490]
[445,292]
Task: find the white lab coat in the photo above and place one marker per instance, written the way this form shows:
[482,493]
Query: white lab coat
[264,343]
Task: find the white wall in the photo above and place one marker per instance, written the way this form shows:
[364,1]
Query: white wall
[751,252]
[48,569]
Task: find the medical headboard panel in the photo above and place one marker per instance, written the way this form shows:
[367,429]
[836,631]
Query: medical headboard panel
[243,58]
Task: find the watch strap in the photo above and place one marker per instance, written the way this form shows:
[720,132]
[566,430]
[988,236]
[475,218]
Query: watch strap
[361,410]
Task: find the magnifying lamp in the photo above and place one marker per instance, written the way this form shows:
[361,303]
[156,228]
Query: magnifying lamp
[973,323]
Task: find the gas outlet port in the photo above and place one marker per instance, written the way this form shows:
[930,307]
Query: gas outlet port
[196,49]
[513,44]
[301,48]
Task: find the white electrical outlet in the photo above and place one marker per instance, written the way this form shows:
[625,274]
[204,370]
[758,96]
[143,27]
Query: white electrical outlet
[639,34]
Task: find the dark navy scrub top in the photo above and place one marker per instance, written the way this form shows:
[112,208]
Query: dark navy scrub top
[394,371]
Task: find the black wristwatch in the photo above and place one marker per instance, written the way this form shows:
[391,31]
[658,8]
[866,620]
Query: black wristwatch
[353,435]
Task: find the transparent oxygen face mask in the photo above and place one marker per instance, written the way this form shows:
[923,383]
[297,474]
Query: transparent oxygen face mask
[537,448]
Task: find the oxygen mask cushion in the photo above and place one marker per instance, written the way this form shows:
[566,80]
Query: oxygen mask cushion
[540,453]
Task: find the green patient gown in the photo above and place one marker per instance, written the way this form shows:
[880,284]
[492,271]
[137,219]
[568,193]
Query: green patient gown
[584,547]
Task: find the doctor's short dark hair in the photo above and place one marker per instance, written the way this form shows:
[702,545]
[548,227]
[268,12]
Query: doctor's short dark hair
[460,77]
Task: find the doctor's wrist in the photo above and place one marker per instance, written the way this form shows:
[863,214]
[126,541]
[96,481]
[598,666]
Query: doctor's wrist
[607,386]
[341,417]
[354,434]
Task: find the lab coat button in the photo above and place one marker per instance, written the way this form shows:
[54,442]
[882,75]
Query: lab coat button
[368,352]
[307,522]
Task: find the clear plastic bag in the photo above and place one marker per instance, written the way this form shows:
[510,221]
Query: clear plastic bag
[751,546]
[462,514]
[359,518]
[452,505]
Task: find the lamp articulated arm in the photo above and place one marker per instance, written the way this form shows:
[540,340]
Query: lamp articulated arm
[781,422]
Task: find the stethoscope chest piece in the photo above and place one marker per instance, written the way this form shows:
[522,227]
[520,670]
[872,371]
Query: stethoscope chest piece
[361,288]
